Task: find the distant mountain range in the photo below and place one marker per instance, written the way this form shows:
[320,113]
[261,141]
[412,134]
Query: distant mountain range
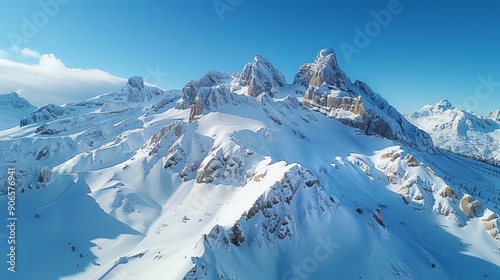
[460,132]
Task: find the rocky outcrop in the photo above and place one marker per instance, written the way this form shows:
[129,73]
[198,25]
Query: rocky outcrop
[133,93]
[46,113]
[491,224]
[196,109]
[471,208]
[448,192]
[45,176]
[260,76]
[192,88]
[377,215]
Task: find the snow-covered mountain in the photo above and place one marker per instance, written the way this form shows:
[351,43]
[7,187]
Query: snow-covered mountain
[459,131]
[330,91]
[13,108]
[243,177]
[495,115]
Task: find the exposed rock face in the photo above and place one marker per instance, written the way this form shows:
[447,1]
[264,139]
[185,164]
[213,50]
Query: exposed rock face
[411,161]
[329,90]
[134,92]
[196,109]
[236,236]
[46,113]
[323,71]
[222,167]
[260,76]
[377,215]
[491,225]
[448,192]
[45,176]
[192,88]
[471,208]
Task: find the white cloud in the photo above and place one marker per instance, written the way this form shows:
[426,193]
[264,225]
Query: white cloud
[50,81]
[3,54]
[30,53]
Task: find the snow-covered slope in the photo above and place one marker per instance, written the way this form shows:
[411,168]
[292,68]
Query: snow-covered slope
[459,131]
[214,183]
[13,108]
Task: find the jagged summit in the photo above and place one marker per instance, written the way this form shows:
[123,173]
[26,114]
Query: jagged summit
[136,82]
[329,90]
[438,107]
[194,87]
[260,76]
[134,92]
[323,71]
[443,105]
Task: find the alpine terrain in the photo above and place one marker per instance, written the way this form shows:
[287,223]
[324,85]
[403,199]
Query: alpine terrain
[459,131]
[248,176]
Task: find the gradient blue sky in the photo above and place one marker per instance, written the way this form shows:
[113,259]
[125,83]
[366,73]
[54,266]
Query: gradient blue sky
[429,51]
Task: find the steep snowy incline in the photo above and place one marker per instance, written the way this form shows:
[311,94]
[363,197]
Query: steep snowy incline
[459,131]
[13,108]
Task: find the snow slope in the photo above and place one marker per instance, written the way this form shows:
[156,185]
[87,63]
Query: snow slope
[212,182]
[459,131]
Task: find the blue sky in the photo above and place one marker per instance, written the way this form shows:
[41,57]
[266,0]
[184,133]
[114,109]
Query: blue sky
[425,52]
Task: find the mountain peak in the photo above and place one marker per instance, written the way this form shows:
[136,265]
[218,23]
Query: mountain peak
[323,71]
[260,76]
[324,53]
[443,105]
[136,82]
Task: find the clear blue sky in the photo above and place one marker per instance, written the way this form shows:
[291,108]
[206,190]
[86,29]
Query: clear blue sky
[429,50]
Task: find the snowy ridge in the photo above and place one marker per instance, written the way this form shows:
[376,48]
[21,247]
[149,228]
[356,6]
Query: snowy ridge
[459,131]
[214,183]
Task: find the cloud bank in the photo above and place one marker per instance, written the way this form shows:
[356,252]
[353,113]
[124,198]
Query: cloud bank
[50,81]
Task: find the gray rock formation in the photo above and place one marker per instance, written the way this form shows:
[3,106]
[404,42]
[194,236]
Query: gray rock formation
[46,113]
[260,76]
[192,88]
[323,71]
